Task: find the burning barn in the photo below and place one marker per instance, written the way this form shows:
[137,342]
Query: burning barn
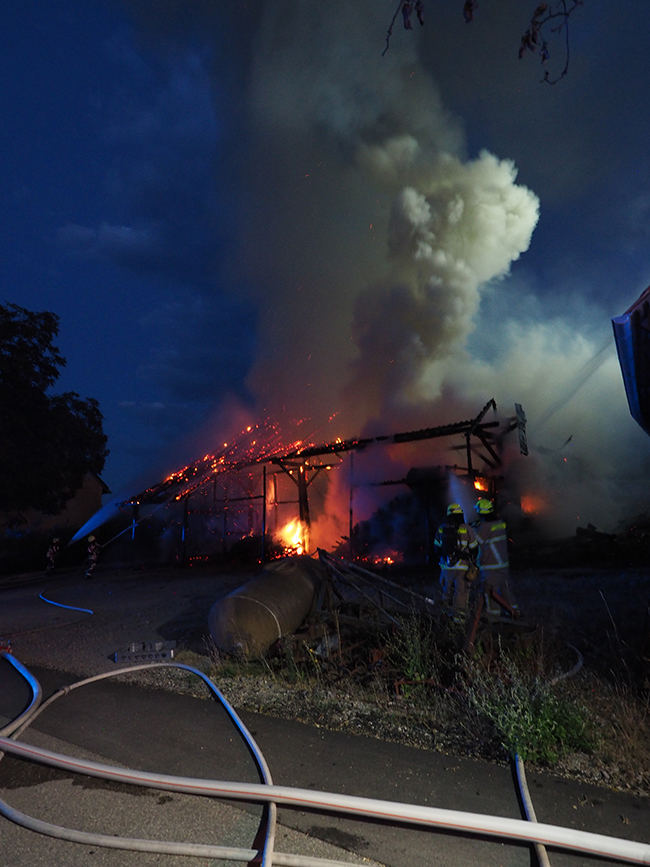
[255,496]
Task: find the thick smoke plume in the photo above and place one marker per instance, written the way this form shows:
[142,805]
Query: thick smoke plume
[382,234]
[453,227]
[374,247]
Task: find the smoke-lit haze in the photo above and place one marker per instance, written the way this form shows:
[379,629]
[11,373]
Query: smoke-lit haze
[271,215]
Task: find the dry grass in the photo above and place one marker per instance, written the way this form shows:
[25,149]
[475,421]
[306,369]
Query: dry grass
[608,745]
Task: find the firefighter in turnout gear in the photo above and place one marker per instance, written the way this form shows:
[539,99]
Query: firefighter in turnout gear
[493,562]
[457,547]
[52,554]
[92,555]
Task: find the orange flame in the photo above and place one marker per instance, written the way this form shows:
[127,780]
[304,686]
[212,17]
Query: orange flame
[481,484]
[291,537]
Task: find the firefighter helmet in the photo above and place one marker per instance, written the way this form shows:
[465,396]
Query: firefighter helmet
[91,538]
[454,509]
[484,507]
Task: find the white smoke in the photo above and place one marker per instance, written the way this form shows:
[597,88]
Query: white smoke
[453,227]
[587,461]
[371,235]
[377,239]
[371,241]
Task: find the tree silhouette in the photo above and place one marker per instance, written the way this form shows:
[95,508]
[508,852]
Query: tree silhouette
[48,442]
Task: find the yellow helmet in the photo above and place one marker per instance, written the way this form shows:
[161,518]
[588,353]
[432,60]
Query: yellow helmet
[454,509]
[91,538]
[484,507]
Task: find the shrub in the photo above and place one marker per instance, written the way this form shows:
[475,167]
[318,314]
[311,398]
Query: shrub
[527,717]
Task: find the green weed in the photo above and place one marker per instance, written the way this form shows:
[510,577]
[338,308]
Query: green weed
[527,717]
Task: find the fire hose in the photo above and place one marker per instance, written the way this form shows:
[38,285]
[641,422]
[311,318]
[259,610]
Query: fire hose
[266,793]
[61,605]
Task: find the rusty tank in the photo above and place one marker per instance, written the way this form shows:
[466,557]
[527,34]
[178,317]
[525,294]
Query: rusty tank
[250,619]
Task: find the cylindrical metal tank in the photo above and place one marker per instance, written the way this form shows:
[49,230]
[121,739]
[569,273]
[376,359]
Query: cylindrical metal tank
[251,618]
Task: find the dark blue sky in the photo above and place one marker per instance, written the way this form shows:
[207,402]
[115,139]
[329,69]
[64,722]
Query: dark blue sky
[114,217]
[187,187]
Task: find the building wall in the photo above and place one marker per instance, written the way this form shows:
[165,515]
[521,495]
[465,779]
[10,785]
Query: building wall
[77,511]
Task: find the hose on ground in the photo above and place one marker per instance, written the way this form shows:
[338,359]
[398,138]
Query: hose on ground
[61,605]
[164,847]
[540,849]
[573,671]
[328,802]
[36,707]
[32,707]
[432,817]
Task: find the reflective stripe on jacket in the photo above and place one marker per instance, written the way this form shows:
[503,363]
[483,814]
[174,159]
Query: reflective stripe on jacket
[493,544]
[467,547]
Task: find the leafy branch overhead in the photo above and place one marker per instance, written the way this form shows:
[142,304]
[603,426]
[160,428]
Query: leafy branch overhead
[548,21]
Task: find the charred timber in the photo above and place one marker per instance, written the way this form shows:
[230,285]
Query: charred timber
[198,474]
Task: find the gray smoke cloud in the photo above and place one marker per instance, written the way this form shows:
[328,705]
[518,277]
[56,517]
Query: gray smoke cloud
[374,246]
[373,232]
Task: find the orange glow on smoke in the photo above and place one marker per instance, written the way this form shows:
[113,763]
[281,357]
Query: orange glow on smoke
[532,504]
[291,537]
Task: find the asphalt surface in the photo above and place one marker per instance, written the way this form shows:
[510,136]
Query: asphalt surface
[163,732]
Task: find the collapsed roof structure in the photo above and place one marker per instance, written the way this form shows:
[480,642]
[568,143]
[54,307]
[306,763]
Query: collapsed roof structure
[240,484]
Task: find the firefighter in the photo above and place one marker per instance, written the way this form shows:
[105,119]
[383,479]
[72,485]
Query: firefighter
[456,544]
[52,554]
[493,563]
[93,554]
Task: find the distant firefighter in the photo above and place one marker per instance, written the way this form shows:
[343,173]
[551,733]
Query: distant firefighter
[456,544]
[93,554]
[493,561]
[52,554]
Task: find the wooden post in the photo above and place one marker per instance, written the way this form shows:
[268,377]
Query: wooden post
[303,507]
[264,513]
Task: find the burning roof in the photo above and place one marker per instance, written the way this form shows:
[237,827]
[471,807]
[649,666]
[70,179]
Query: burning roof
[262,444]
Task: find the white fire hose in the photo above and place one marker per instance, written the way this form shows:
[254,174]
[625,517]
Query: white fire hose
[570,839]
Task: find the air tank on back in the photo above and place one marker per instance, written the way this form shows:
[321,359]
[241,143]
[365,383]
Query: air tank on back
[250,619]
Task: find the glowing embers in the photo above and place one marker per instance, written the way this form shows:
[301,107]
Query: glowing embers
[387,559]
[292,537]
[481,484]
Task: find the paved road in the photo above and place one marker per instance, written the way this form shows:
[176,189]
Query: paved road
[168,733]
[161,731]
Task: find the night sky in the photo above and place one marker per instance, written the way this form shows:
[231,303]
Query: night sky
[240,209]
